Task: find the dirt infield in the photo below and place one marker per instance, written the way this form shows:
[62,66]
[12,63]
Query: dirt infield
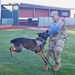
[10,27]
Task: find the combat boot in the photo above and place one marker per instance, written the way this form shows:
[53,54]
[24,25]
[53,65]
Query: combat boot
[46,66]
[57,67]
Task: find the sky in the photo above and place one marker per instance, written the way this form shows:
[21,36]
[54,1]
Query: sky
[56,3]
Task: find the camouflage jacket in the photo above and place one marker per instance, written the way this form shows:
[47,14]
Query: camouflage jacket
[62,32]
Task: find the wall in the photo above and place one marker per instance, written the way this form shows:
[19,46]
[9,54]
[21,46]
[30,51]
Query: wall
[9,14]
[70,21]
[47,21]
[26,12]
[0,11]
[6,15]
[6,12]
[62,13]
[41,13]
[72,13]
[7,21]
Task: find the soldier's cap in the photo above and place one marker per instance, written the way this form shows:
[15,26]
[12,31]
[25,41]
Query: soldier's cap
[53,13]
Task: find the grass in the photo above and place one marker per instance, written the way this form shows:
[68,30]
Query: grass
[27,62]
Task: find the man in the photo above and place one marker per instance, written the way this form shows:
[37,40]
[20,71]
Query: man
[57,38]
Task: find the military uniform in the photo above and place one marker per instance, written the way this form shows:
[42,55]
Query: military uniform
[57,41]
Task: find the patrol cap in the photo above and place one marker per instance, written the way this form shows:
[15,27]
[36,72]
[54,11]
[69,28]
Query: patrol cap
[53,13]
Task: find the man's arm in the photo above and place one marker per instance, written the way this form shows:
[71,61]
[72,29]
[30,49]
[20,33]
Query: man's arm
[54,29]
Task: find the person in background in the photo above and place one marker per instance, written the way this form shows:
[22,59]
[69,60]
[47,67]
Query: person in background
[57,38]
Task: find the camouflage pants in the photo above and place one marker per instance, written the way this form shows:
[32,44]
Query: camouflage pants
[55,48]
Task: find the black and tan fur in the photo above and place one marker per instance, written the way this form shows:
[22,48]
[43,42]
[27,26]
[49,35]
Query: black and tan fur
[36,45]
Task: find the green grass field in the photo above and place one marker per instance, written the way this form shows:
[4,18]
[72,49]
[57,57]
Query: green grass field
[27,62]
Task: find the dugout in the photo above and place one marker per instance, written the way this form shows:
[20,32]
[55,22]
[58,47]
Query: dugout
[9,14]
[28,14]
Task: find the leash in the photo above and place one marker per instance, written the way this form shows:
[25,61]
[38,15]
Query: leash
[50,65]
[45,57]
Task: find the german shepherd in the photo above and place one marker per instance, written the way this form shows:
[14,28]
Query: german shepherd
[36,45]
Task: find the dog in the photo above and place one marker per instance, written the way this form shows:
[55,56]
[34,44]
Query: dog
[36,45]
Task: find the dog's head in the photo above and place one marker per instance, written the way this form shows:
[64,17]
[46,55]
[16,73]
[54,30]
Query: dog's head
[43,35]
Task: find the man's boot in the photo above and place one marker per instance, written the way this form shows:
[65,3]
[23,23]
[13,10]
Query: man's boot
[57,67]
[46,66]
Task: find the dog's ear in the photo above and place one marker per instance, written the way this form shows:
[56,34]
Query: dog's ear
[47,31]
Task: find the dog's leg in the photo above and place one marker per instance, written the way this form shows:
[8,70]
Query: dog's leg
[40,53]
[11,51]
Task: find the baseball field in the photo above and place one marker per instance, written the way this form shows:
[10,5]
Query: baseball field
[27,62]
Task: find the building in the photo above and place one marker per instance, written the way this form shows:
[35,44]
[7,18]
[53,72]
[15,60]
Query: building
[0,11]
[28,14]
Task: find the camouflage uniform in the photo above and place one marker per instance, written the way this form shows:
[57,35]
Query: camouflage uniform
[56,41]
